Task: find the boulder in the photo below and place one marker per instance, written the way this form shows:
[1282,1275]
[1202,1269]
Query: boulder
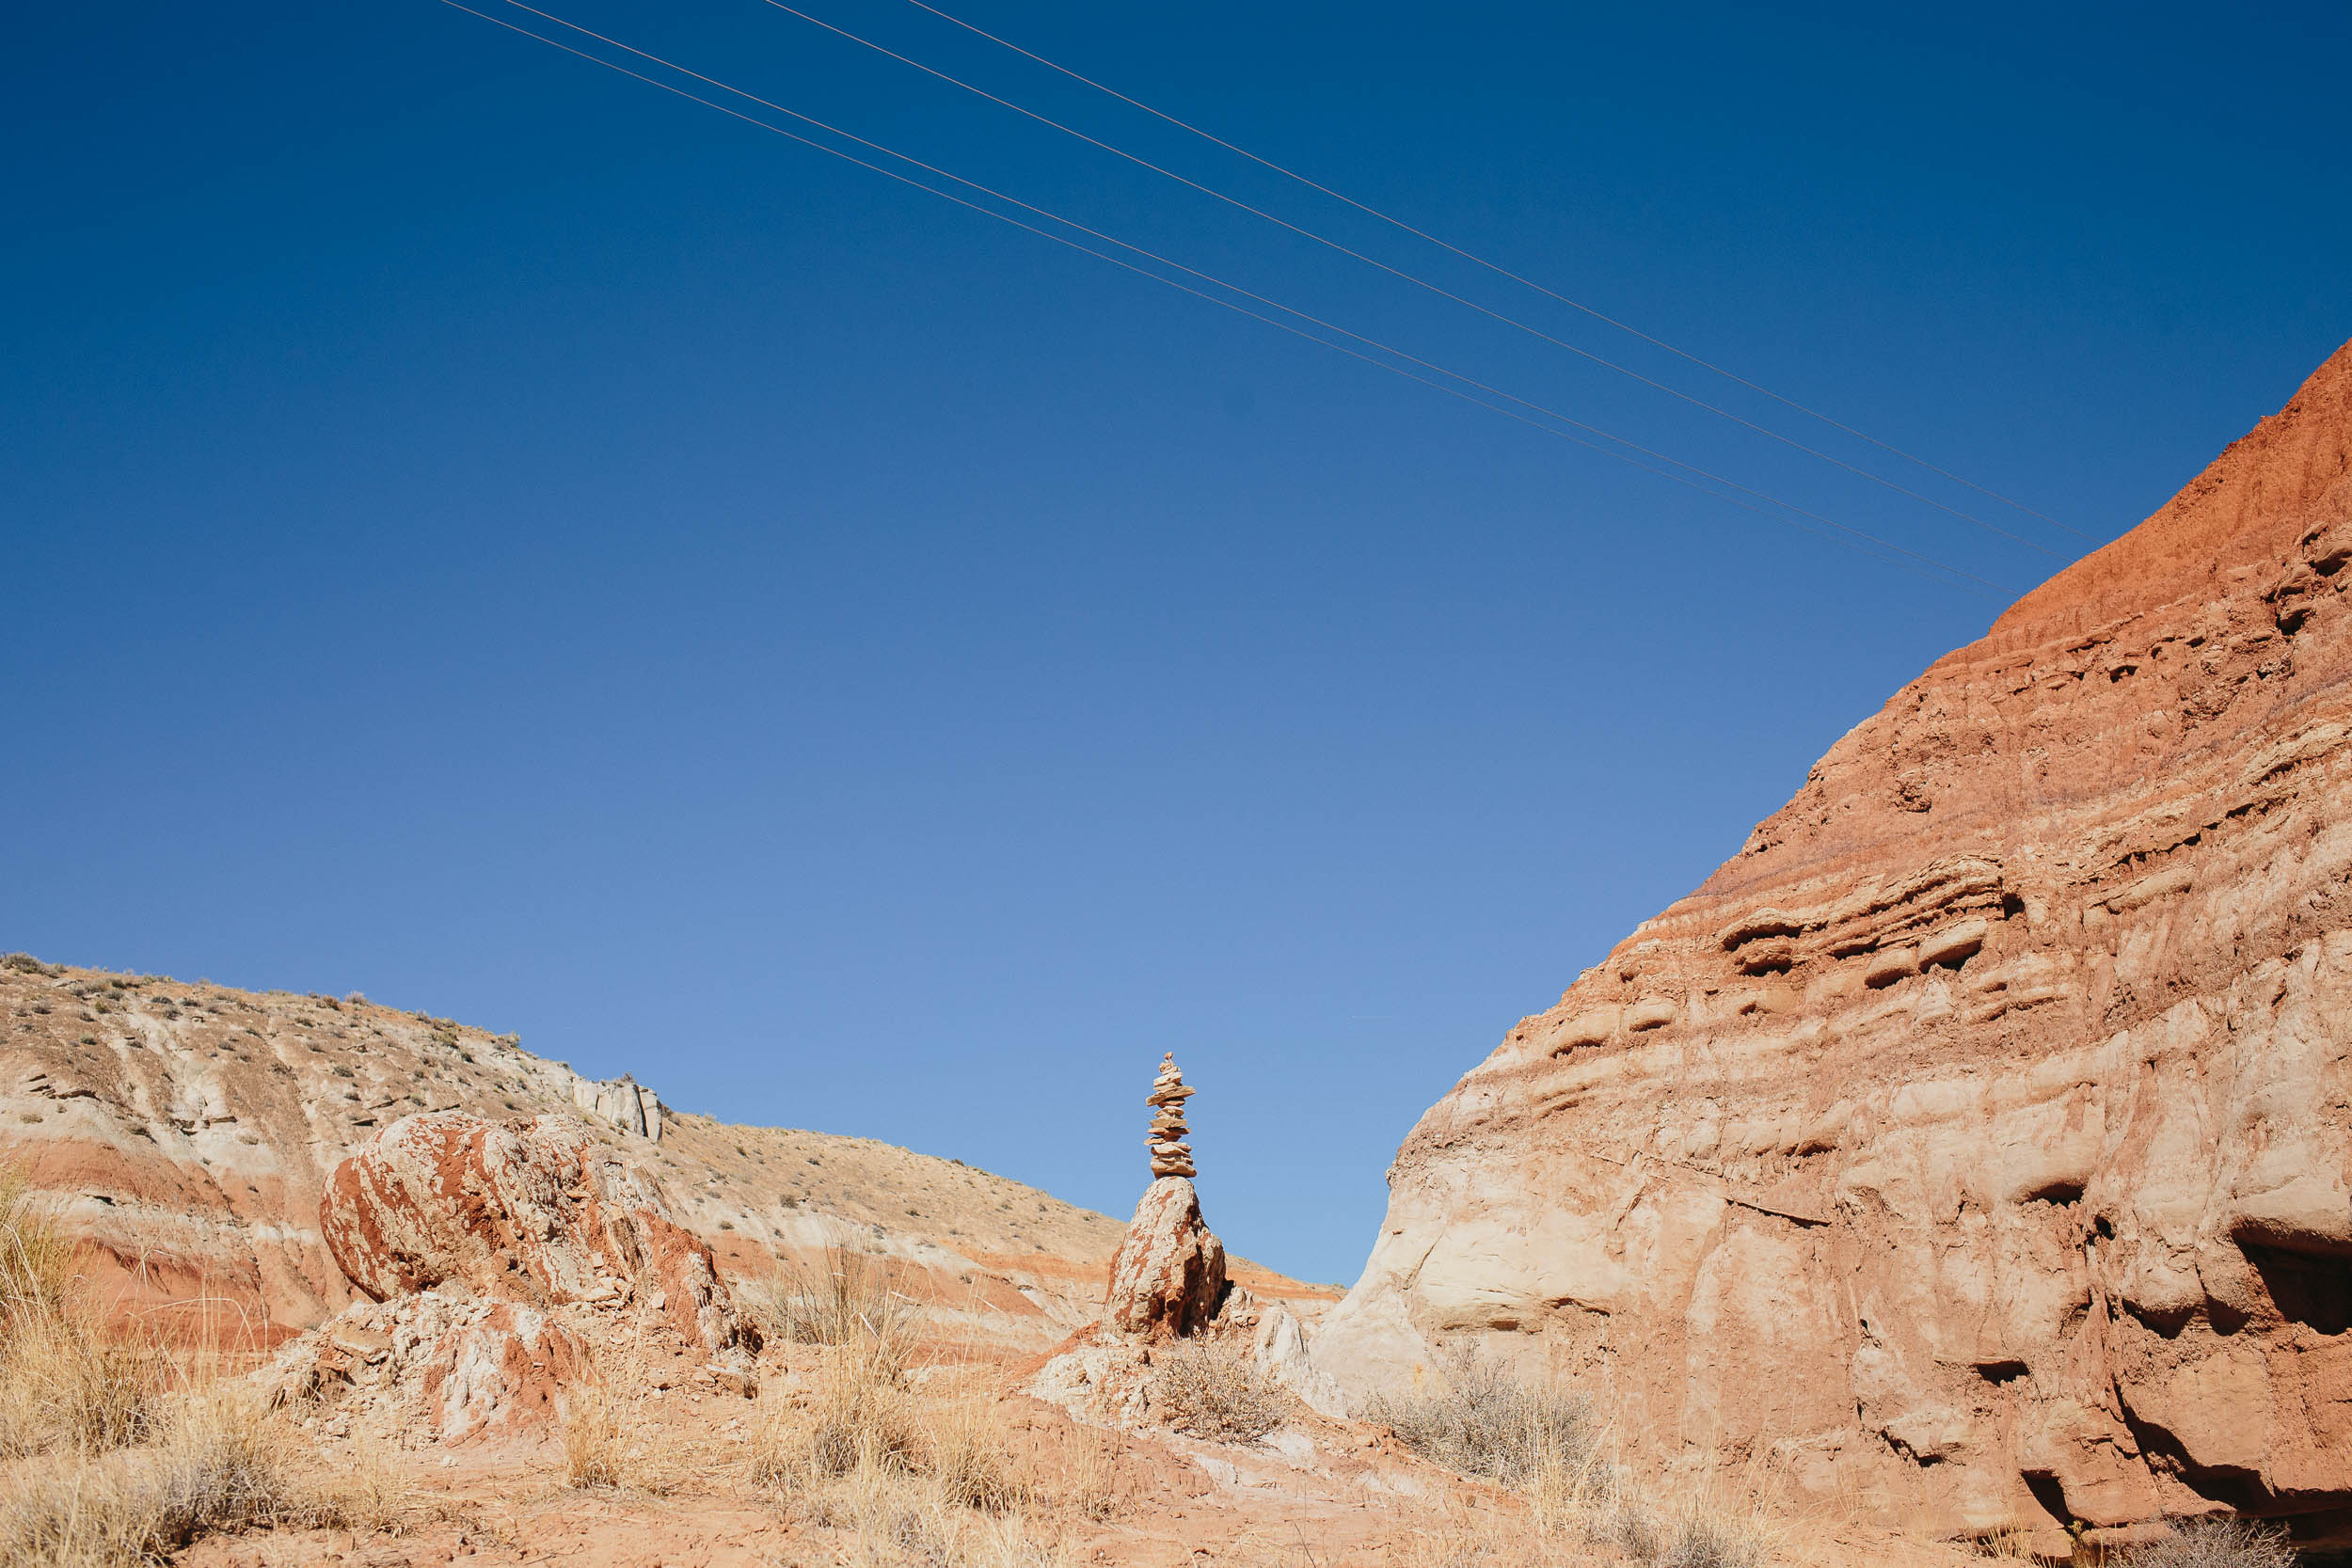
[536,1213]
[1168,1279]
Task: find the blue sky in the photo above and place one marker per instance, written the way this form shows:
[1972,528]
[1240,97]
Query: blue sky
[485,532]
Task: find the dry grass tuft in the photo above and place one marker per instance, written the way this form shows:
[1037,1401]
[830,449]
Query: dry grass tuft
[847,1302]
[969,1456]
[1216,1392]
[899,1519]
[2217,1544]
[36,1259]
[606,1446]
[66,1385]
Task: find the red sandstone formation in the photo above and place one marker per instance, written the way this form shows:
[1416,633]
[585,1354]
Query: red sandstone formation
[1977,1142]
[536,1213]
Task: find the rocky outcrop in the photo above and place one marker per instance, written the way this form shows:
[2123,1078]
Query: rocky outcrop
[502,1260]
[535,1212]
[1168,1279]
[1977,1142]
[624,1102]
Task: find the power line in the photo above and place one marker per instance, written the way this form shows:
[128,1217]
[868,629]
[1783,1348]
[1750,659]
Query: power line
[1438,290]
[1449,391]
[1237,289]
[1498,269]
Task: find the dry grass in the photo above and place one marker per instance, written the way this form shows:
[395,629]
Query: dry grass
[846,1302]
[1216,1392]
[216,1463]
[2217,1544]
[896,1519]
[117,1452]
[607,1447]
[66,1385]
[969,1455]
[1086,1482]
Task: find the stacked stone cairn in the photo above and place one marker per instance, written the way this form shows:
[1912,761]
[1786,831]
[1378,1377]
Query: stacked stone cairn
[1167,1280]
[1170,1154]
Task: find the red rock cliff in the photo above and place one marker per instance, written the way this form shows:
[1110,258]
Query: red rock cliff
[1977,1142]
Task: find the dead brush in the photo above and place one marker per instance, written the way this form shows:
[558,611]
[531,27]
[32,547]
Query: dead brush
[1216,1392]
[1488,1425]
[1702,1529]
[2217,1544]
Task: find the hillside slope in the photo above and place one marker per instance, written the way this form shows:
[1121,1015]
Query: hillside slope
[1977,1142]
[189,1129]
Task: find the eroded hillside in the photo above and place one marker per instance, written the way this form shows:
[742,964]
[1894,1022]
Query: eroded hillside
[189,1128]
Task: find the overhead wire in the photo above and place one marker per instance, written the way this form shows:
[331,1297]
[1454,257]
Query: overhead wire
[1496,268]
[1400,273]
[1059,239]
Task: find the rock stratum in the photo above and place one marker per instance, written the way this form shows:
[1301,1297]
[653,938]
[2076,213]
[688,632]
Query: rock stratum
[1977,1143]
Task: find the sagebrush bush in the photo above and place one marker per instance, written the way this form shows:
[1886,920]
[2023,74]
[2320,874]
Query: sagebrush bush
[1488,1423]
[2217,1544]
[1217,1392]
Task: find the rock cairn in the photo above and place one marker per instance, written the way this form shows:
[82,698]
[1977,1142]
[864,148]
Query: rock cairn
[1168,1277]
[1170,1154]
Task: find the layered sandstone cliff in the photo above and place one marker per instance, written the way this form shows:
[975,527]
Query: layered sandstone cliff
[1977,1144]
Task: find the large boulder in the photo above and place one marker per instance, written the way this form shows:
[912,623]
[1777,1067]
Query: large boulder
[536,1213]
[1168,1279]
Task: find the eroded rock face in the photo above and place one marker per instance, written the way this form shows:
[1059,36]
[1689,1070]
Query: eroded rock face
[1168,1279]
[1978,1140]
[536,1213]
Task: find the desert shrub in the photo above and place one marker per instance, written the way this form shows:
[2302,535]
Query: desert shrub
[1702,1538]
[2217,1544]
[1217,1392]
[1703,1531]
[1488,1423]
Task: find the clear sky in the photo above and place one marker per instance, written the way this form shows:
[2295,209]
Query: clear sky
[479,530]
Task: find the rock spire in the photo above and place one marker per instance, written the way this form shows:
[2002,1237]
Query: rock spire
[1170,1154]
